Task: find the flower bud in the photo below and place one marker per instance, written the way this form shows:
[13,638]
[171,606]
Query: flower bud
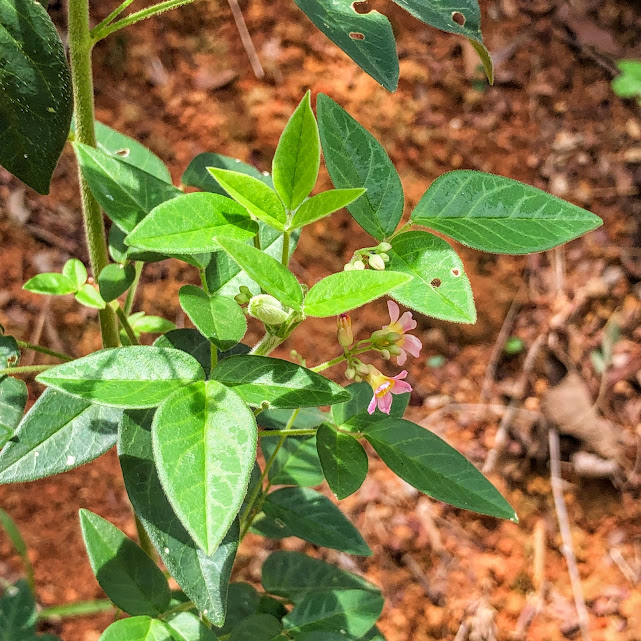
[350,373]
[244,295]
[361,368]
[267,309]
[385,353]
[385,258]
[348,268]
[359,265]
[384,247]
[344,332]
[376,262]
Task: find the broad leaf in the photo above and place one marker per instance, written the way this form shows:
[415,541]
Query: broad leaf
[351,612]
[126,193]
[297,157]
[89,296]
[18,614]
[259,379]
[269,273]
[306,418]
[142,323]
[293,576]
[366,38]
[76,272]
[141,628]
[439,287]
[354,158]
[296,463]
[13,399]
[312,517]
[323,204]
[186,626]
[204,445]
[57,434]
[344,291]
[219,319]
[260,200]
[257,627]
[343,459]
[191,224]
[51,284]
[203,578]
[353,414]
[198,175]
[127,377]
[500,215]
[242,602]
[36,100]
[190,341]
[429,464]
[9,351]
[128,576]
[114,280]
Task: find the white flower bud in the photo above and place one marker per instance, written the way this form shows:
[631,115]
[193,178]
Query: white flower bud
[350,372]
[384,247]
[267,309]
[376,262]
[348,268]
[359,265]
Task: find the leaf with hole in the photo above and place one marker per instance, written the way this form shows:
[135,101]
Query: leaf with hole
[13,399]
[205,442]
[198,175]
[126,193]
[344,291]
[114,280]
[324,204]
[36,100]
[129,577]
[221,320]
[439,287]
[57,434]
[366,38]
[311,516]
[343,459]
[127,377]
[429,464]
[500,215]
[297,157]
[9,351]
[259,379]
[296,463]
[354,158]
[51,284]
[142,628]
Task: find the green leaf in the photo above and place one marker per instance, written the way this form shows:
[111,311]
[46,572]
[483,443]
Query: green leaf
[186,626]
[204,578]
[498,214]
[323,204]
[190,341]
[76,272]
[353,414]
[36,101]
[205,445]
[9,351]
[354,158]
[343,459]
[12,531]
[114,280]
[429,464]
[137,629]
[282,384]
[219,319]
[269,605]
[366,38]
[341,292]
[297,157]
[439,287]
[141,323]
[89,296]
[13,399]
[269,273]
[225,276]
[129,577]
[311,516]
[57,434]
[127,377]
[259,199]
[242,602]
[257,627]
[306,418]
[51,284]
[121,253]
[197,174]
[296,463]
[18,615]
[191,224]
[126,193]
[351,612]
[294,576]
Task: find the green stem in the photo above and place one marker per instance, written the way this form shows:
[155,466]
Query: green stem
[401,229]
[266,345]
[138,16]
[80,46]
[287,433]
[30,369]
[124,321]
[285,256]
[131,294]
[44,350]
[203,279]
[181,607]
[328,364]
[144,540]
[82,608]
[113,15]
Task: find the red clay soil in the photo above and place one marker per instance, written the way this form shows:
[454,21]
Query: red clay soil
[182,84]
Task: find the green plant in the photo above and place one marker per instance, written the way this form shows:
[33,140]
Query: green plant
[189,412]
[628,83]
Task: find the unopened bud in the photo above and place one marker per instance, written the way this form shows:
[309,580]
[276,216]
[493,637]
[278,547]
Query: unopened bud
[385,353]
[267,309]
[348,268]
[376,262]
[359,265]
[358,379]
[244,295]
[344,332]
[385,258]
[384,247]
[394,350]
[350,373]
[382,338]
[361,368]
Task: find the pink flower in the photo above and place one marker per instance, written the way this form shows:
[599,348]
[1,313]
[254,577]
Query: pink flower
[383,387]
[407,342]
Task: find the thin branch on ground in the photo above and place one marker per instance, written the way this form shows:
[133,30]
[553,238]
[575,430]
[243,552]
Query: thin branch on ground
[246,39]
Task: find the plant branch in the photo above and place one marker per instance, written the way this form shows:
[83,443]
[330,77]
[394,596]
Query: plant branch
[82,608]
[287,433]
[27,369]
[266,345]
[285,256]
[124,321]
[44,350]
[131,294]
[113,15]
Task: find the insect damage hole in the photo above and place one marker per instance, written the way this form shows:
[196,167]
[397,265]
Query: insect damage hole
[459,18]
[361,7]
[123,153]
[355,35]
[456,271]
[435,282]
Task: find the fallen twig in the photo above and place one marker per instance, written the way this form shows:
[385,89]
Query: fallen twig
[246,39]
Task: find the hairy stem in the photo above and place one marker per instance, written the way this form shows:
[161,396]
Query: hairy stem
[131,294]
[267,344]
[124,322]
[80,609]
[287,433]
[285,256]
[28,369]
[44,350]
[80,46]
[144,540]
[113,15]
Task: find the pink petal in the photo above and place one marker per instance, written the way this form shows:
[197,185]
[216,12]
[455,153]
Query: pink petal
[372,405]
[400,376]
[402,357]
[412,344]
[407,322]
[394,311]
[401,387]
[385,403]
